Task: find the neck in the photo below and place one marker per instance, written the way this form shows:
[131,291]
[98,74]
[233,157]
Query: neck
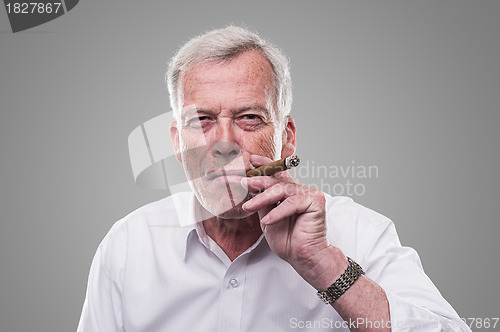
[234,236]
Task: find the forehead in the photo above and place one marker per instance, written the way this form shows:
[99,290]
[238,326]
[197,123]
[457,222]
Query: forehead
[247,76]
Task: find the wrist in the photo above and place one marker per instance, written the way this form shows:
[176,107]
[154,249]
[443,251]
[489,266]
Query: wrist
[326,266]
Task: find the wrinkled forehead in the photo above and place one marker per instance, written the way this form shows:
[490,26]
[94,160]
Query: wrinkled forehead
[249,75]
[250,65]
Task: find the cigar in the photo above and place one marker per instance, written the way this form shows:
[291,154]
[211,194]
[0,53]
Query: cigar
[275,166]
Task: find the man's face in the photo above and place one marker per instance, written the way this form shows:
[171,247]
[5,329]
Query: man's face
[225,119]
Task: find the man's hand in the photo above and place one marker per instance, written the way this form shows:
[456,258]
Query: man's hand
[295,229]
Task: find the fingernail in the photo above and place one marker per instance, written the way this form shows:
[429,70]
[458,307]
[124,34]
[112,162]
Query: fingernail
[244,183]
[246,205]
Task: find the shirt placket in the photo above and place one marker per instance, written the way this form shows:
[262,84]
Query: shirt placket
[231,296]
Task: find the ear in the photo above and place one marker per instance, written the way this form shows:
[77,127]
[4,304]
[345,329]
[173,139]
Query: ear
[288,141]
[174,137]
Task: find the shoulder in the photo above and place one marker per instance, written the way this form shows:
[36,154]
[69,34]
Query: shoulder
[346,211]
[167,212]
[131,237]
[352,226]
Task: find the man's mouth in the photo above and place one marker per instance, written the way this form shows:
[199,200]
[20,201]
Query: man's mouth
[231,175]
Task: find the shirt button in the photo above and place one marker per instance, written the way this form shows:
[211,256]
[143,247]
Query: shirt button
[233,282]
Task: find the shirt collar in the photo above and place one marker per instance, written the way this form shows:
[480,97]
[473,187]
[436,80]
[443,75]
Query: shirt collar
[197,236]
[187,208]
[184,204]
[194,228]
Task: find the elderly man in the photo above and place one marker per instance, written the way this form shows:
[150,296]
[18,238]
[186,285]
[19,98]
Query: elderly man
[256,251]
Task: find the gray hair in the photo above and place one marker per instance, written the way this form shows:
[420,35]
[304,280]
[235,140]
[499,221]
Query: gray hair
[223,45]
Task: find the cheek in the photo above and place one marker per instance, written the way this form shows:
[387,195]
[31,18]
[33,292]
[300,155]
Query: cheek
[262,144]
[191,138]
[193,147]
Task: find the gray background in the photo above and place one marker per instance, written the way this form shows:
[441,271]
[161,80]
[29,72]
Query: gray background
[411,87]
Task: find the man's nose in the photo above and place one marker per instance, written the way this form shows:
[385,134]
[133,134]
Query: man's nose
[225,131]
[224,152]
[224,148]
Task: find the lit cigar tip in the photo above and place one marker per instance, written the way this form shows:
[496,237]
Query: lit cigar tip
[292,161]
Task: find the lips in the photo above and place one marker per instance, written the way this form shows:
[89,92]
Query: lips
[212,175]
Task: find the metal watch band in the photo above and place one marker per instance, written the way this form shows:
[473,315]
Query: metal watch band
[342,284]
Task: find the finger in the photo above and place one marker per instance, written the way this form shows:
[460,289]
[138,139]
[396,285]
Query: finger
[257,160]
[262,213]
[259,183]
[297,204]
[278,192]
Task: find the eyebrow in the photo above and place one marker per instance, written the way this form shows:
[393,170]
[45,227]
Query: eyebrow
[252,107]
[187,111]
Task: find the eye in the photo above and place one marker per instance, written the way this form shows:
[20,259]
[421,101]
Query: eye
[251,116]
[199,121]
[249,121]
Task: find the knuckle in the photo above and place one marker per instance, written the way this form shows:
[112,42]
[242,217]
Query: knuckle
[320,198]
[293,200]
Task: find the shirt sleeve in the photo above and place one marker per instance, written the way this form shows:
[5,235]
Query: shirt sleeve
[415,303]
[102,309]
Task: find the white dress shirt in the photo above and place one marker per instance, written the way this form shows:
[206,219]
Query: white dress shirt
[157,270]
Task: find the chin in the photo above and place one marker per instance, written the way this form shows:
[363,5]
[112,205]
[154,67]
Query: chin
[221,205]
[221,200]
